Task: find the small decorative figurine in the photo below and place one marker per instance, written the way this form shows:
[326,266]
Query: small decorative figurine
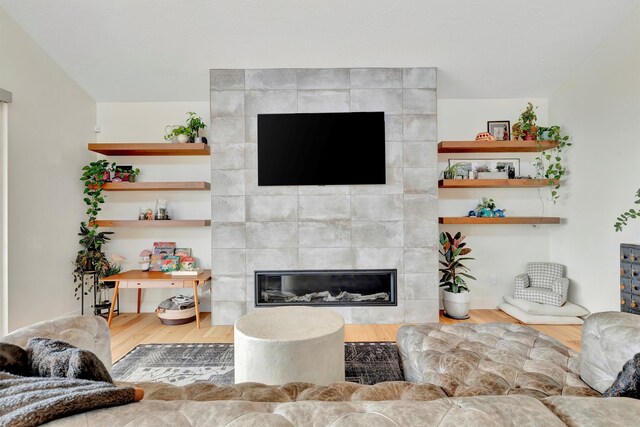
[144,261]
[500,213]
[472,213]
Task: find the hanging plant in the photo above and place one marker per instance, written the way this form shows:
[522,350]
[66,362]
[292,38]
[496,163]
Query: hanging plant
[549,163]
[624,217]
[91,257]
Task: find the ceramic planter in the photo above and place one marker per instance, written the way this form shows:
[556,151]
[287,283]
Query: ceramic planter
[456,306]
[493,175]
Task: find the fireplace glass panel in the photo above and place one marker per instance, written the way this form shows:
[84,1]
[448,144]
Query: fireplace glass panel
[326,287]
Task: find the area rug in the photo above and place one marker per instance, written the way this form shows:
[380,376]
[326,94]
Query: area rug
[181,364]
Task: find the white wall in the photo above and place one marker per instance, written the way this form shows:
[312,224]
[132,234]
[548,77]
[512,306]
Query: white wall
[501,251]
[600,107]
[50,123]
[145,122]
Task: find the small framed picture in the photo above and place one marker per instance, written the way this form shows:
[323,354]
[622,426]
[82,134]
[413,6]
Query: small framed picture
[501,130]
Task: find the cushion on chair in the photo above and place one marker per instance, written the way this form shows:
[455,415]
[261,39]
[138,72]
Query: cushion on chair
[544,274]
[567,309]
[540,295]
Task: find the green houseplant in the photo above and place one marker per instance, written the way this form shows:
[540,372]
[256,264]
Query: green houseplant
[91,256]
[549,163]
[624,217]
[195,124]
[526,127]
[456,296]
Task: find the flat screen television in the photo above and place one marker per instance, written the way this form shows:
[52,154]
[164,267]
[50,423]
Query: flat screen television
[321,149]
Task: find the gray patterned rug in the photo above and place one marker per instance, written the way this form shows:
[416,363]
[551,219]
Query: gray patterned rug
[181,364]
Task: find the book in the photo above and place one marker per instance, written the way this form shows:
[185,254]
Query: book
[186,273]
[170,263]
[187,263]
[182,252]
[164,248]
[156,262]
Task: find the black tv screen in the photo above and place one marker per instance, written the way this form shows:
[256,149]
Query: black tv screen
[321,149]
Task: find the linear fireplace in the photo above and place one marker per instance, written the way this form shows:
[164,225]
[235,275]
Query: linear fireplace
[326,287]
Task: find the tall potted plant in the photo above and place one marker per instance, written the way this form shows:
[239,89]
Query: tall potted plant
[91,258]
[456,297]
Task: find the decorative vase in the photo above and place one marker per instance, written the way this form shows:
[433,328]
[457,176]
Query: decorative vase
[529,136]
[457,305]
[183,138]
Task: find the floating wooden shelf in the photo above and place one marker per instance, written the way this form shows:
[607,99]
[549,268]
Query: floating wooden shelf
[495,146]
[506,220]
[167,223]
[496,183]
[150,149]
[156,186]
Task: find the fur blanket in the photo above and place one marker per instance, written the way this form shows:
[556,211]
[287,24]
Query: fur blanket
[31,401]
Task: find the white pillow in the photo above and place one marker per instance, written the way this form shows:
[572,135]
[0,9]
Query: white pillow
[568,309]
[538,319]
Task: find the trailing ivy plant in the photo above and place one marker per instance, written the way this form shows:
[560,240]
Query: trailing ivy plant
[624,217]
[452,248]
[549,163]
[91,257]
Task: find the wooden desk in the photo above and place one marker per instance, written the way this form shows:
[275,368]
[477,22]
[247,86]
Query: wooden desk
[138,279]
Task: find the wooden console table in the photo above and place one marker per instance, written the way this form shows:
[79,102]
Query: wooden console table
[138,279]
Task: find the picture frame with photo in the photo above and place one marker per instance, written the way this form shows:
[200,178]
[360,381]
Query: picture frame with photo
[500,129]
[464,166]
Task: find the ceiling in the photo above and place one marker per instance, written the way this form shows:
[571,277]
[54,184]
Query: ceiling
[161,50]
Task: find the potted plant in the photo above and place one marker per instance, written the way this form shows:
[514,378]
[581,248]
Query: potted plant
[456,297]
[90,257]
[451,171]
[195,124]
[526,127]
[179,134]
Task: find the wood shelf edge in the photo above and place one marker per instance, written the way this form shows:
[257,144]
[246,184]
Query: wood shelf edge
[149,149]
[495,146]
[496,183]
[157,186]
[507,220]
[108,223]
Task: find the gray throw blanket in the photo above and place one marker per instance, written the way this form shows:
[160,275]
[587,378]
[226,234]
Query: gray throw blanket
[31,401]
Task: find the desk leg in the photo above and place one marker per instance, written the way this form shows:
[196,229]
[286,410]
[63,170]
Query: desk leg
[195,300]
[139,297]
[113,303]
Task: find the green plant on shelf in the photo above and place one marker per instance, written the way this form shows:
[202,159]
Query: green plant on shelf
[548,164]
[195,123]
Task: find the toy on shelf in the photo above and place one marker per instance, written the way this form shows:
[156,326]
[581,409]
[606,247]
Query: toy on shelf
[486,208]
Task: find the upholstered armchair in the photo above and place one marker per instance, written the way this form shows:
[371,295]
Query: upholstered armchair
[544,282]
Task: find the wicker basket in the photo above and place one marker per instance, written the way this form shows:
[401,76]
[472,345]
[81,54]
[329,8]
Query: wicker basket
[176,317]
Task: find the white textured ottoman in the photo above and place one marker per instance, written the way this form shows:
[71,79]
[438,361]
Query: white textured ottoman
[288,344]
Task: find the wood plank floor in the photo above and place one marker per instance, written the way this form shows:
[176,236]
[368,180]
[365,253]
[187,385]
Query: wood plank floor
[130,329]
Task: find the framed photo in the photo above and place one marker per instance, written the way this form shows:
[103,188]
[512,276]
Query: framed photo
[464,166]
[501,130]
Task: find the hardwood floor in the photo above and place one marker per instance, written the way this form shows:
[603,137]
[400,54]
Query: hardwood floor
[130,329]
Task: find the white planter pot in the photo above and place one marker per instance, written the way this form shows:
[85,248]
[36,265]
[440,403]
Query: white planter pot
[456,305]
[183,139]
[493,175]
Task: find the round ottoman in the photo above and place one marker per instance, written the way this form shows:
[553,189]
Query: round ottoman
[289,344]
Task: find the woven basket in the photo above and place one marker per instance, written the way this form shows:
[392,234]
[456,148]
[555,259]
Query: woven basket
[176,317]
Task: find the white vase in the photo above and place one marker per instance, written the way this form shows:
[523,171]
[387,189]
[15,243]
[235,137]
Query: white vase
[183,138]
[456,305]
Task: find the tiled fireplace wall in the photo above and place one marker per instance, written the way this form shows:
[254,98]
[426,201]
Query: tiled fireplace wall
[331,227]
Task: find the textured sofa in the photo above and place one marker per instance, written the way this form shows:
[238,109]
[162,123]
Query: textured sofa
[438,395]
